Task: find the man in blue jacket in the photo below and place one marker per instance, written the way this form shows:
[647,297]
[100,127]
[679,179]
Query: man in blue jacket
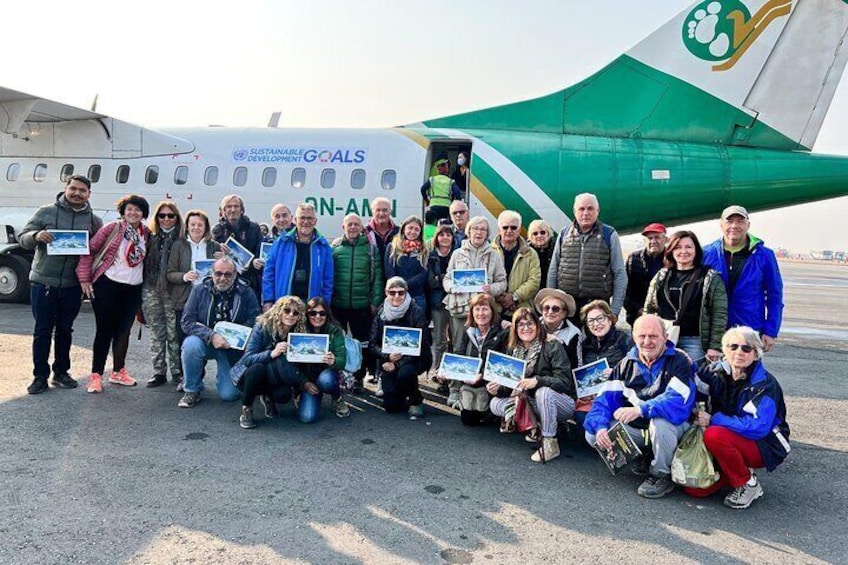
[750,273]
[651,392]
[300,262]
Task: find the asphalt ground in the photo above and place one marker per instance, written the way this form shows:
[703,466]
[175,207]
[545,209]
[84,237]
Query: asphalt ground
[127,477]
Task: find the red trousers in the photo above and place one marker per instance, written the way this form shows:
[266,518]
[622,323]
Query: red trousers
[734,455]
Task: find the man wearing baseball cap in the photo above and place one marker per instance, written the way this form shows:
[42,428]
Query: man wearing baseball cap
[750,273]
[641,267]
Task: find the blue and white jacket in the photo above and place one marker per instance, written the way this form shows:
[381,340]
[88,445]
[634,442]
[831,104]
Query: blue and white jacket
[279,268]
[665,390]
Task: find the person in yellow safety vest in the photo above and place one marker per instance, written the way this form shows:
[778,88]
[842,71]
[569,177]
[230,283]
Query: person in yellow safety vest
[439,191]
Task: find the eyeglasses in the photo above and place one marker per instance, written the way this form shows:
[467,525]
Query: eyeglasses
[509,228]
[743,346]
[396,292]
[552,308]
[163,215]
[595,321]
[307,218]
[526,325]
[291,312]
[223,274]
[480,228]
[321,313]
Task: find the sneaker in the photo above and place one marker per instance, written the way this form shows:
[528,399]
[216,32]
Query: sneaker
[156,380]
[270,406]
[341,407]
[641,467]
[547,452]
[180,386]
[38,385]
[656,486]
[532,436]
[122,378]
[371,379]
[416,412]
[246,420]
[744,496]
[64,380]
[95,383]
[189,400]
[379,392]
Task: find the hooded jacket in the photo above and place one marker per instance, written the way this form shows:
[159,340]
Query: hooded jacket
[279,268]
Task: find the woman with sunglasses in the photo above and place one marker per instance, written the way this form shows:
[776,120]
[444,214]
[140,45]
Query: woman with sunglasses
[745,418]
[547,381]
[166,229]
[442,247]
[691,295]
[541,239]
[555,308]
[325,377]
[399,373]
[406,257]
[264,370]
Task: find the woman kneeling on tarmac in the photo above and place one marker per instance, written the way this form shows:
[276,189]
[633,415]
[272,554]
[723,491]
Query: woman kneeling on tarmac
[745,420]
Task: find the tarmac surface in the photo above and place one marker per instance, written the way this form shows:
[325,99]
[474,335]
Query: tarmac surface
[127,477]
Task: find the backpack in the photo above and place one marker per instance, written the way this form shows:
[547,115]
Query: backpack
[353,351]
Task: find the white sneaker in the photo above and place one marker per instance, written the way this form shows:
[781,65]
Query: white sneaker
[454,401]
[379,391]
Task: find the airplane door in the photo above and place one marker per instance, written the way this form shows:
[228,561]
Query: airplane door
[451,150]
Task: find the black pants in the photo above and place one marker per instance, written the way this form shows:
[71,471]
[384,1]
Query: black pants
[54,310]
[115,305]
[359,322]
[261,380]
[400,387]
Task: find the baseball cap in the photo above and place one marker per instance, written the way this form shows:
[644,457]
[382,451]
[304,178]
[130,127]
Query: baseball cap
[656,227]
[734,211]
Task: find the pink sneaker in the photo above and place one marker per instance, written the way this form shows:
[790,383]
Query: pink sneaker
[95,383]
[122,378]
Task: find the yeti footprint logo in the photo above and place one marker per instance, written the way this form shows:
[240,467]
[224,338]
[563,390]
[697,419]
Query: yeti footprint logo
[722,30]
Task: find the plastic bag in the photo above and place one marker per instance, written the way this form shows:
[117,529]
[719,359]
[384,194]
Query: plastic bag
[692,465]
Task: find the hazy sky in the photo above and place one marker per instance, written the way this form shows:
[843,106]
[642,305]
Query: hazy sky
[344,63]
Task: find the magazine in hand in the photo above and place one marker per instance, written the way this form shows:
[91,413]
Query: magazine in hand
[203,268]
[307,348]
[590,378]
[624,450]
[468,280]
[406,341]
[264,250]
[460,367]
[235,334]
[240,254]
[68,242]
[503,369]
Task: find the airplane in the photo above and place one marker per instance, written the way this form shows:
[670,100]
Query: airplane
[720,105]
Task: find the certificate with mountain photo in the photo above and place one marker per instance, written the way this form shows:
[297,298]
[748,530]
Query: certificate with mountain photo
[503,369]
[307,348]
[240,254]
[203,268]
[590,378]
[68,242]
[264,250]
[624,450]
[406,341]
[468,280]
[235,334]
[460,367]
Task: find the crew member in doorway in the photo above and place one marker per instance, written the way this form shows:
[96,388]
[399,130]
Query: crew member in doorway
[439,191]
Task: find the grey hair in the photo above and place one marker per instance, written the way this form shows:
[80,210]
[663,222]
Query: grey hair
[227,260]
[748,335]
[350,217]
[305,206]
[397,282]
[539,224]
[508,215]
[477,220]
[587,195]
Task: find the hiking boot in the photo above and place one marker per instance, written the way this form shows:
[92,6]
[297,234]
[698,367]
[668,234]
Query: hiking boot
[641,467]
[246,419]
[416,412]
[38,385]
[742,497]
[122,378]
[548,451]
[532,436]
[156,380]
[379,392]
[95,383]
[64,380]
[656,486]
[189,400]
[270,406]
[341,407]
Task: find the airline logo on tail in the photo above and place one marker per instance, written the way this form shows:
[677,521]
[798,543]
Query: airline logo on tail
[722,30]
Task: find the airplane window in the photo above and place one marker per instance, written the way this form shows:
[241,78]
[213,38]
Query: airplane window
[240,176]
[67,171]
[269,176]
[357,179]
[40,172]
[328,178]
[181,175]
[123,174]
[210,177]
[298,179]
[388,179]
[94,173]
[13,172]
[151,175]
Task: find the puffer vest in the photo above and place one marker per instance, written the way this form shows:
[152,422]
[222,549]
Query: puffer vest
[584,265]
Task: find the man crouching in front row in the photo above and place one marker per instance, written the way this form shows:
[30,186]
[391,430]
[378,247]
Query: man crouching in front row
[651,392]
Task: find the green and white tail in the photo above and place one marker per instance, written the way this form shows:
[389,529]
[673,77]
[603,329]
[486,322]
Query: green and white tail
[759,73]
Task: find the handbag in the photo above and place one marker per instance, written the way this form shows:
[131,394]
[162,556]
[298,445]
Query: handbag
[97,261]
[525,418]
[692,465]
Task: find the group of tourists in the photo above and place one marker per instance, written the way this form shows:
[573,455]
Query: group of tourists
[702,319]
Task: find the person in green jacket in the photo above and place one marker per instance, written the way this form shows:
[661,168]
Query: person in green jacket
[357,285]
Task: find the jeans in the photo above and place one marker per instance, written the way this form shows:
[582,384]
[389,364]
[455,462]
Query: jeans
[692,346]
[54,310]
[310,404]
[195,353]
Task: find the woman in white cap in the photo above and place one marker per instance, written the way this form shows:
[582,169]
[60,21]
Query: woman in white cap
[555,308]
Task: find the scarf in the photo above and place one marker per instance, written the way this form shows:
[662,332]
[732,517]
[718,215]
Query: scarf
[160,246]
[530,355]
[411,246]
[391,313]
[222,303]
[135,252]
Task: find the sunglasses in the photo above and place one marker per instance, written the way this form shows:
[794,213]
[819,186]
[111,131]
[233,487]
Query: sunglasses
[224,275]
[291,312]
[743,346]
[163,215]
[539,233]
[509,228]
[321,313]
[396,292]
[459,212]
[552,308]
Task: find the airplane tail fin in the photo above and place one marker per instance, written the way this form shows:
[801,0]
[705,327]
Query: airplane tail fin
[758,73]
